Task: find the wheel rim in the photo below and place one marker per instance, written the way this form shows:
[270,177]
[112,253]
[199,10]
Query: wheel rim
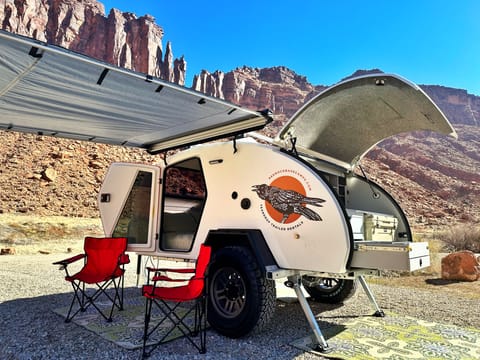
[228,292]
[328,284]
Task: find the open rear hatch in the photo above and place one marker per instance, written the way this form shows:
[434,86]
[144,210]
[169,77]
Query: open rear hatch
[346,120]
[339,126]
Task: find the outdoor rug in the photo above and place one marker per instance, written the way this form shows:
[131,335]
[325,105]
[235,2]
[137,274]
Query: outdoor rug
[397,337]
[126,329]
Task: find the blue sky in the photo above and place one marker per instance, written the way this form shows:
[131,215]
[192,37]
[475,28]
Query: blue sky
[428,42]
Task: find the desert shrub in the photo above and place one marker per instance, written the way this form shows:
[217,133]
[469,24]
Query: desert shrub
[462,237]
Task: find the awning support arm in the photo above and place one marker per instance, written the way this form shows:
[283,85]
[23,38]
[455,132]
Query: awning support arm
[37,56]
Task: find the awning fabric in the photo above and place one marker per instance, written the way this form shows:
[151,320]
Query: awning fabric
[49,90]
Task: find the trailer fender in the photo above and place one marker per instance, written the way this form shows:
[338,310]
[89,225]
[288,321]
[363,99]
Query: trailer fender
[251,238]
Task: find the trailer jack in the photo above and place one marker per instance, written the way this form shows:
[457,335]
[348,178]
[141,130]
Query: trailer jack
[321,346]
[295,282]
[378,312]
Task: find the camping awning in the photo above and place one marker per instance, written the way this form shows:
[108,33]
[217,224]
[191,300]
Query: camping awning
[49,90]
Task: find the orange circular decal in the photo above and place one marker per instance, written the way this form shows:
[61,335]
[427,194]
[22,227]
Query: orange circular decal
[285,183]
[286,200]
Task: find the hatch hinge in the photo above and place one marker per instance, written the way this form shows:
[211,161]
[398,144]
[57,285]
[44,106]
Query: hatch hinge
[290,138]
[293,142]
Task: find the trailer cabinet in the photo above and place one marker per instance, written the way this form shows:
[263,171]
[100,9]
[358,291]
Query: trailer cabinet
[402,256]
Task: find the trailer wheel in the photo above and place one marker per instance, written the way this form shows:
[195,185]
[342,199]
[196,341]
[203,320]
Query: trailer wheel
[330,290]
[241,299]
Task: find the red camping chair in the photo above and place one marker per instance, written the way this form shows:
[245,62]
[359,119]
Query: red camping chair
[103,266]
[168,299]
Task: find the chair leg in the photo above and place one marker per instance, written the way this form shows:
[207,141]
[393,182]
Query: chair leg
[123,286]
[199,328]
[117,300]
[84,300]
[80,300]
[117,297]
[113,302]
[68,318]
[147,332]
[148,313]
[204,330]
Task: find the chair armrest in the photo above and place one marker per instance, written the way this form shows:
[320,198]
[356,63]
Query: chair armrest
[124,259]
[65,262]
[160,274]
[166,278]
[180,271]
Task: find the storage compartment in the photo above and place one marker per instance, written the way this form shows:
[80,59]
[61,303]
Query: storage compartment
[379,227]
[380,255]
[373,226]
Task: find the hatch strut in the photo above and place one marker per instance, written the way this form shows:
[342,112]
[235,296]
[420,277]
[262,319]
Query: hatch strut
[375,194]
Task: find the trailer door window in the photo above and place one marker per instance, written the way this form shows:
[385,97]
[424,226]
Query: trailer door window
[184,197]
[134,219]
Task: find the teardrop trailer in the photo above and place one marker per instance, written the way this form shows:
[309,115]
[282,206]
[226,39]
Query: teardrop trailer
[290,208]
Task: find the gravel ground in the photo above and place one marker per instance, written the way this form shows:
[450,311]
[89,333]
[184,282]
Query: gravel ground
[30,287]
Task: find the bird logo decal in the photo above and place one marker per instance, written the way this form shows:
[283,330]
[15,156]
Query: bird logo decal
[290,204]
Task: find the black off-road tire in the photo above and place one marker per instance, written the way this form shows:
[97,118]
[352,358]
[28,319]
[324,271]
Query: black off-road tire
[332,291]
[241,300]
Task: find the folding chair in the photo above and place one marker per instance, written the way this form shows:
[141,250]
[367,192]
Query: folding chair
[104,261]
[168,300]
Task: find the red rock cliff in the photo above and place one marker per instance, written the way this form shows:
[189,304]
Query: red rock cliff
[121,39]
[278,88]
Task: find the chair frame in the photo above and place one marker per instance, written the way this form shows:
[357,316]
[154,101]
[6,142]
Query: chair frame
[78,283]
[153,295]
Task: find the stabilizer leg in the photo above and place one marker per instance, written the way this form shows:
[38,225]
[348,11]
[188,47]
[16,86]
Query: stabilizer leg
[378,312]
[295,282]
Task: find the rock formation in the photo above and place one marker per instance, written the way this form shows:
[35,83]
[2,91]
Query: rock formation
[461,266]
[457,104]
[278,89]
[121,39]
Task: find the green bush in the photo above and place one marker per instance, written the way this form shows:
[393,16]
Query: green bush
[462,237]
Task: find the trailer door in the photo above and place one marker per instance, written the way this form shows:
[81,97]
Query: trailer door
[128,202]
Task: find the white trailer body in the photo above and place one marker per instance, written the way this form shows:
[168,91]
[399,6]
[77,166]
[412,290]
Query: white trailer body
[294,207]
[314,155]
[231,203]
